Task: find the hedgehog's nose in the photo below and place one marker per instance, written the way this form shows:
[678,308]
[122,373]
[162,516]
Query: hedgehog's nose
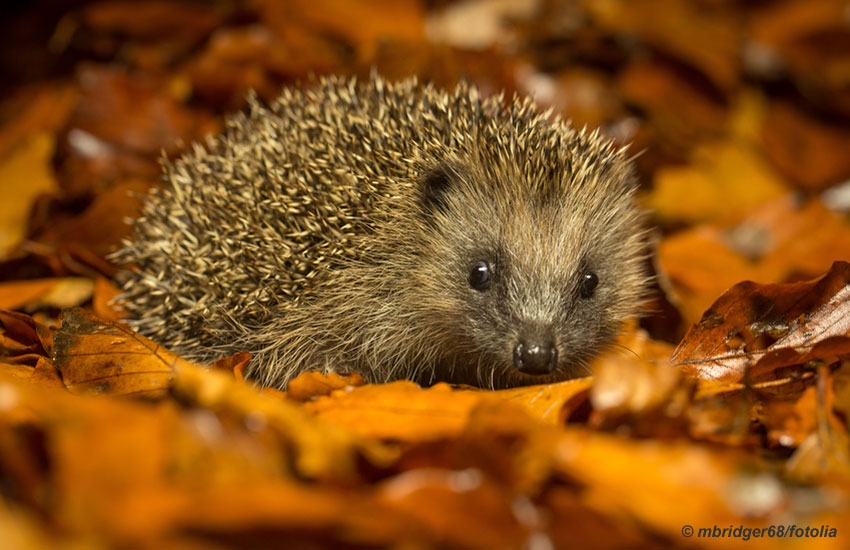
[536,356]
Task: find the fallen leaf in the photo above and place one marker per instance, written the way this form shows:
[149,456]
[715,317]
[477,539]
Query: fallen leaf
[39,109]
[789,423]
[582,96]
[806,43]
[463,509]
[653,474]
[785,22]
[36,293]
[236,61]
[322,450]
[399,410]
[701,265]
[678,110]
[311,384]
[724,181]
[756,327]
[99,356]
[677,29]
[142,472]
[476,25]
[549,403]
[119,129]
[782,240]
[234,364]
[808,151]
[825,453]
[378,19]
[102,226]
[25,173]
[23,335]
[103,301]
[152,19]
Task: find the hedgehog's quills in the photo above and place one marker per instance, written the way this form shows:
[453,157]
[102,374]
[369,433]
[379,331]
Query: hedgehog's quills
[393,230]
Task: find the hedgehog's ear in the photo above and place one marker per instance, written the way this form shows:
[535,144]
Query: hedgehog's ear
[435,183]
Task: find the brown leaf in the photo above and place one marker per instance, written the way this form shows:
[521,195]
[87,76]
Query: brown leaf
[785,22]
[103,301]
[789,423]
[40,109]
[377,19]
[136,473]
[311,384]
[583,96]
[152,19]
[678,29]
[399,410]
[806,42]
[102,226]
[119,129]
[234,364]
[132,113]
[794,240]
[321,451]
[25,173]
[36,293]
[649,396]
[809,152]
[550,403]
[98,356]
[756,326]
[461,509]
[234,62]
[676,108]
[21,335]
[701,265]
[825,453]
[724,180]
[637,480]
[575,524]
[781,241]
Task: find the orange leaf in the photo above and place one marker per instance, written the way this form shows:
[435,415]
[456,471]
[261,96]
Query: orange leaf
[765,327]
[98,356]
[311,384]
[64,292]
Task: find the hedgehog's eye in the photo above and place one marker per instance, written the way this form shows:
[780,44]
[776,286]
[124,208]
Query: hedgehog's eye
[480,275]
[589,282]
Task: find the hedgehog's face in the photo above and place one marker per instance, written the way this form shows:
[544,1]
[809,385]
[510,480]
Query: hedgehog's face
[533,284]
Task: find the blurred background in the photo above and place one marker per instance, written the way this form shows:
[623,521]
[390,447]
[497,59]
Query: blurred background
[737,112]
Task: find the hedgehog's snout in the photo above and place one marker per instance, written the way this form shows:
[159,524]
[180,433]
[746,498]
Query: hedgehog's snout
[536,354]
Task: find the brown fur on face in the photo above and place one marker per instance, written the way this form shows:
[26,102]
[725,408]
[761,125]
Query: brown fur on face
[337,231]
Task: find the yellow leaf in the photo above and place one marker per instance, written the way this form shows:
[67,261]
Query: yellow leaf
[24,175]
[725,180]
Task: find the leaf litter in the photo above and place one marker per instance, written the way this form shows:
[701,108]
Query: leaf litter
[727,406]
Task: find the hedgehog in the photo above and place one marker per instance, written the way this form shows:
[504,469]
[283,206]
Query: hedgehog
[395,230]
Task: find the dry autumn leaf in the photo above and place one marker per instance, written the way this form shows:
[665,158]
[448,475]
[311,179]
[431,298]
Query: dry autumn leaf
[780,241]
[724,181]
[24,175]
[310,385]
[809,151]
[98,356]
[753,330]
[727,106]
[35,293]
[388,19]
[679,29]
[23,338]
